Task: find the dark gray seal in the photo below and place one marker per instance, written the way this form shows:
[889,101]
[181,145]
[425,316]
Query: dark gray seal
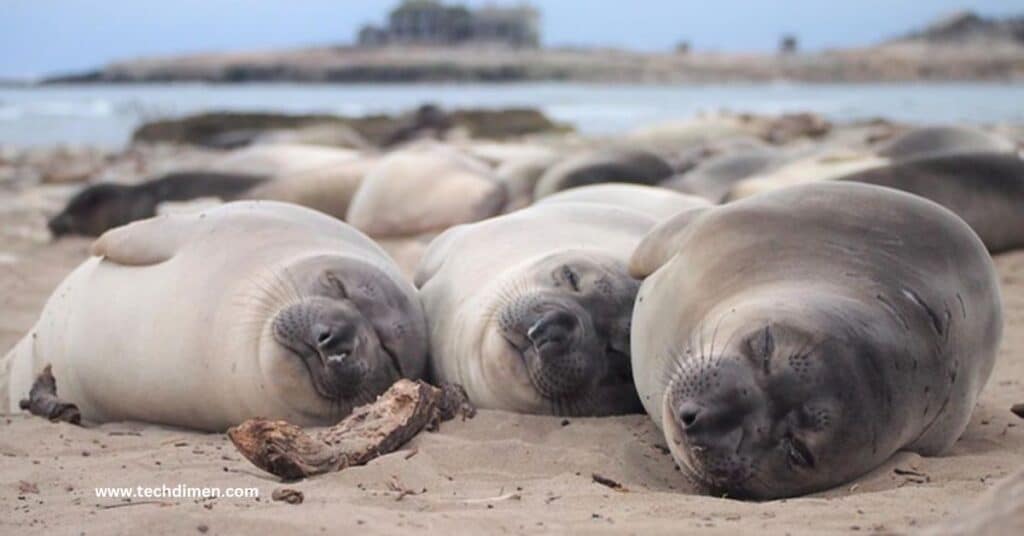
[985,189]
[792,341]
[714,178]
[932,141]
[604,165]
[100,207]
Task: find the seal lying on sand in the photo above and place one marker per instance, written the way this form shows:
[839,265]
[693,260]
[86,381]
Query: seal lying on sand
[100,207]
[793,341]
[828,165]
[280,159]
[320,178]
[713,178]
[985,189]
[932,141]
[530,311]
[422,189]
[605,165]
[205,320]
[658,203]
[520,177]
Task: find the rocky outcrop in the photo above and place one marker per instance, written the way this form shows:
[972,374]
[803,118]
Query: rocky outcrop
[967,27]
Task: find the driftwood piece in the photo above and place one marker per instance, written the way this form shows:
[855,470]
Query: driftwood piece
[371,430]
[43,401]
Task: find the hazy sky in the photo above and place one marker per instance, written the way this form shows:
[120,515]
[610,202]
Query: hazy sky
[47,36]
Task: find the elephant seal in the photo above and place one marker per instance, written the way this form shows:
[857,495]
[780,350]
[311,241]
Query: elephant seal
[985,189]
[943,140]
[605,165]
[280,159]
[520,177]
[530,311]
[99,207]
[320,178]
[422,189]
[659,203]
[328,188]
[793,341]
[713,178]
[204,320]
[828,165]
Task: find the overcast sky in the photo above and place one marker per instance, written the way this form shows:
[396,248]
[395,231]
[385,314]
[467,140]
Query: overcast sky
[48,36]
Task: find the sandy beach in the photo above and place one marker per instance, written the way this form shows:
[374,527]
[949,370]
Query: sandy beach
[496,473]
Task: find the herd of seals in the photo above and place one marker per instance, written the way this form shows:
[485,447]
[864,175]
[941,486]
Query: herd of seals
[788,319]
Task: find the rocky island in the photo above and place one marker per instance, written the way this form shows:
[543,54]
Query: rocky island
[961,47]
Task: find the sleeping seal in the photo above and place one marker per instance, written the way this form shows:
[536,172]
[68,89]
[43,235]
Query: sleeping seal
[985,189]
[931,141]
[658,203]
[103,206]
[425,188]
[828,165]
[530,311]
[793,341]
[320,178]
[713,178]
[604,165]
[204,320]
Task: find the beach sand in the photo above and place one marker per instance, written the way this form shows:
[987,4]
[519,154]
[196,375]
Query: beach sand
[496,473]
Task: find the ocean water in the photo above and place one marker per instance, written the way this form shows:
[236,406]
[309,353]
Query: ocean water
[105,115]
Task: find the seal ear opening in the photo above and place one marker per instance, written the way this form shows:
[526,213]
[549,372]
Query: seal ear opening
[662,243]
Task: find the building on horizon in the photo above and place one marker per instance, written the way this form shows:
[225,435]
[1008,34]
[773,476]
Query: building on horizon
[430,22]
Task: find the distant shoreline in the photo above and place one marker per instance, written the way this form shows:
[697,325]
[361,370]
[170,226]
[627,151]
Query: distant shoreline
[897,62]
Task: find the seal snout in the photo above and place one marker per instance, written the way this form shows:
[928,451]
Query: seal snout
[59,225]
[331,338]
[553,333]
[713,421]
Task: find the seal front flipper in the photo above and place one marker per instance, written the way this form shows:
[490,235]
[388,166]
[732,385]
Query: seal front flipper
[145,242]
[661,244]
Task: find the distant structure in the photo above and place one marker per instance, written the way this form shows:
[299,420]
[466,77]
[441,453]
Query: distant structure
[430,22]
[788,44]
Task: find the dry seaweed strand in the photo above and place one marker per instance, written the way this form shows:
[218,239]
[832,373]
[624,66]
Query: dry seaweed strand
[372,430]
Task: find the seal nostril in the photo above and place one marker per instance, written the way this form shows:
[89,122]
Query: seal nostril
[553,326]
[688,414]
[324,336]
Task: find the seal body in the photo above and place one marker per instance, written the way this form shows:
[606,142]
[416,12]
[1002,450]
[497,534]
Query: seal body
[530,311]
[828,165]
[933,141]
[714,178]
[793,341]
[204,320]
[659,203]
[423,189]
[100,207]
[985,189]
[606,165]
[320,178]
